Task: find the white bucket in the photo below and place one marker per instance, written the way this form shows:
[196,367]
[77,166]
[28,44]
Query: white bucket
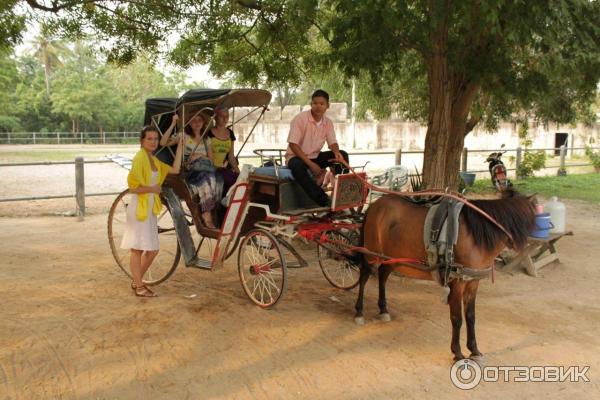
[557,212]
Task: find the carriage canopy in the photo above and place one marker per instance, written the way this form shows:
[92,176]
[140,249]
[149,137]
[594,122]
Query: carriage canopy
[159,111]
[197,99]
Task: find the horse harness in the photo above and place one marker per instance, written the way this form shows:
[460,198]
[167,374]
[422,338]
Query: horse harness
[440,237]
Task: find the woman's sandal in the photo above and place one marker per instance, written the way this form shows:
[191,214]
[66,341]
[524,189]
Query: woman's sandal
[143,291]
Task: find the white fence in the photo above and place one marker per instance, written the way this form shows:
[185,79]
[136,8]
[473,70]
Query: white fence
[68,137]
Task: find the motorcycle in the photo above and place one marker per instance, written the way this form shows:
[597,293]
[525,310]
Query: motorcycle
[498,171]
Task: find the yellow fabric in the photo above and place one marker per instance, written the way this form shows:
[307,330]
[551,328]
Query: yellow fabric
[141,175]
[220,150]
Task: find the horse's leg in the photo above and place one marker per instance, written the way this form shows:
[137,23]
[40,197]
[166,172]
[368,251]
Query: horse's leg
[469,295]
[384,273]
[365,271]
[455,304]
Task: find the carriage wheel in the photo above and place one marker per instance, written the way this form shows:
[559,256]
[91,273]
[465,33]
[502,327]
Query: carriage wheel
[167,258]
[341,272]
[262,268]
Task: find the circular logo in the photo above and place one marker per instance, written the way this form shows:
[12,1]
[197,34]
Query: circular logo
[465,374]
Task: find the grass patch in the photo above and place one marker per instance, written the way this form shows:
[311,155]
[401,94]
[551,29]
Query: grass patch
[580,187]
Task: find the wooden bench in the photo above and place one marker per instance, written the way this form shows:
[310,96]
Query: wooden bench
[537,254]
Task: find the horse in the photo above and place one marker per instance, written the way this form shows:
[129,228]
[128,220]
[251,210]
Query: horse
[393,226]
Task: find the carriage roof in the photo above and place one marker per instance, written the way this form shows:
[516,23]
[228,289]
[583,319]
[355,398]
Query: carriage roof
[196,99]
[158,105]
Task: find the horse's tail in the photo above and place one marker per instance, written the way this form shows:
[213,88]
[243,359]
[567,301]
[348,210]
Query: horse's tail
[516,213]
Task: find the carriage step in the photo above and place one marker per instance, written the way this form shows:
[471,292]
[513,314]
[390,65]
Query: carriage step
[201,263]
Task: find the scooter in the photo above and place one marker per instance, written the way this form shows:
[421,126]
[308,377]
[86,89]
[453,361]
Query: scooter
[498,171]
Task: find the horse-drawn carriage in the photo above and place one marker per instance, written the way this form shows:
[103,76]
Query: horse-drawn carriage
[266,211]
[263,213]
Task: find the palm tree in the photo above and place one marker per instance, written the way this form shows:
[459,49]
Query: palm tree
[48,50]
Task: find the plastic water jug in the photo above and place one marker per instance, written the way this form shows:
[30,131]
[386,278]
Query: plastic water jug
[557,212]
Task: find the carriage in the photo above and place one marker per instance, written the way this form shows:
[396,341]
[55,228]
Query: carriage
[263,215]
[266,212]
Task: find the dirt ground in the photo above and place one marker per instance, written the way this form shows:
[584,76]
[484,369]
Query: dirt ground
[71,328]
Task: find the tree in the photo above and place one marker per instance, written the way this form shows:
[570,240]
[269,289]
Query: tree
[48,50]
[9,121]
[83,92]
[469,61]
[12,24]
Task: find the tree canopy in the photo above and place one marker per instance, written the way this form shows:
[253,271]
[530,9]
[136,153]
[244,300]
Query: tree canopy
[87,94]
[451,64]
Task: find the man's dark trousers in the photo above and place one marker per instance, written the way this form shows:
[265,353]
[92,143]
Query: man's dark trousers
[300,172]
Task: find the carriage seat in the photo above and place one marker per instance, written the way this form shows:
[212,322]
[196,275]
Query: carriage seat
[283,173]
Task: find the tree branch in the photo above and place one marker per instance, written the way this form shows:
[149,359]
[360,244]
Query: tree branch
[55,6]
[254,5]
[476,117]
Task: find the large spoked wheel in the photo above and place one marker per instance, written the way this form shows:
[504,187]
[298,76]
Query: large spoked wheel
[340,271]
[168,256]
[262,268]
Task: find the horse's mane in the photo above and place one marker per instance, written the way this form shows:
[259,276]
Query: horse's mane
[515,212]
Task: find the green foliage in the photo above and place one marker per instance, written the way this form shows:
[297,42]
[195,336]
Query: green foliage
[574,186]
[12,24]
[8,84]
[594,157]
[537,58]
[416,181]
[532,161]
[87,94]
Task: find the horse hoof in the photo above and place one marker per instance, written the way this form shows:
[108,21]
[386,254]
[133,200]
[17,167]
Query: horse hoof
[478,358]
[359,321]
[385,317]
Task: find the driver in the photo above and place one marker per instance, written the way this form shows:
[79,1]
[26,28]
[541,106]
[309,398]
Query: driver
[309,131]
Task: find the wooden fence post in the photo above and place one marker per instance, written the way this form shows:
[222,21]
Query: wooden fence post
[79,187]
[518,160]
[398,158]
[562,170]
[465,155]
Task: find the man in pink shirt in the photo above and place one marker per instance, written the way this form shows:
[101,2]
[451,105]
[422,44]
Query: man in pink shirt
[309,131]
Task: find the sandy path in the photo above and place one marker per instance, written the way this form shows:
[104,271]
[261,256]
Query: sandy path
[71,328]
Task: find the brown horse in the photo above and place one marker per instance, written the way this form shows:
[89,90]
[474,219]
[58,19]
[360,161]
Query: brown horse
[394,227]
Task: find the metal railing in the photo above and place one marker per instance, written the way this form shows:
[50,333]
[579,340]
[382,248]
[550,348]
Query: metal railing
[69,137]
[79,163]
[518,157]
[79,195]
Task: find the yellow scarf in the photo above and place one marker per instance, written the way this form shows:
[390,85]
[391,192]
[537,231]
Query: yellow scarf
[141,175]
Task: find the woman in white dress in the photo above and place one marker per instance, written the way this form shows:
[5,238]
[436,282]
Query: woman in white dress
[144,180]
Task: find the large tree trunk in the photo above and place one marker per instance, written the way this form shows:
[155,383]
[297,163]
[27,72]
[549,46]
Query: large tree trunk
[450,99]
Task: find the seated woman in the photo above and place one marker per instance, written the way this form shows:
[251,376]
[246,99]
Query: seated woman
[200,175]
[222,140]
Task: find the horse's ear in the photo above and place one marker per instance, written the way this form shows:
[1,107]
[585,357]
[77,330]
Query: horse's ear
[508,193]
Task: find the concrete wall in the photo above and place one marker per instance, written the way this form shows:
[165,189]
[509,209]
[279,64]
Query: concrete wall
[273,128]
